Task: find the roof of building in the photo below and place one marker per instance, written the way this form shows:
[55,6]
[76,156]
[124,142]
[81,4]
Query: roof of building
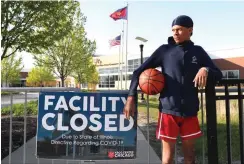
[110,60]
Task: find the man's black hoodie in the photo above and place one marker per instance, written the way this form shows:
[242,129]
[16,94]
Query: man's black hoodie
[179,64]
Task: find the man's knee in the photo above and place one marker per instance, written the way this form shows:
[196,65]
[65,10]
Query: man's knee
[167,162]
[189,151]
[189,161]
[168,152]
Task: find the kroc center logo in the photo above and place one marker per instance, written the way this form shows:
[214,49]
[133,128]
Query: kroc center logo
[121,154]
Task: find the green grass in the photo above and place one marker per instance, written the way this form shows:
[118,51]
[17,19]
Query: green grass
[222,131]
[221,128]
[8,93]
[153,111]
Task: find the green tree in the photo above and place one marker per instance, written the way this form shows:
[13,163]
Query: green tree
[84,68]
[59,57]
[34,25]
[92,77]
[10,70]
[86,72]
[38,76]
[70,53]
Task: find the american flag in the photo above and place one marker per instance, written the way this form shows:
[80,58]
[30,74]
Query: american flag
[115,41]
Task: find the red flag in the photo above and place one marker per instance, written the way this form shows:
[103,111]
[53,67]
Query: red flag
[119,14]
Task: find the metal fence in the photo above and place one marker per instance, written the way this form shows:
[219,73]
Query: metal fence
[211,115]
[26,90]
[211,98]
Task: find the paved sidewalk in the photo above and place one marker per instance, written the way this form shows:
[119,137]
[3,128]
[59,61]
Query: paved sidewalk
[142,155]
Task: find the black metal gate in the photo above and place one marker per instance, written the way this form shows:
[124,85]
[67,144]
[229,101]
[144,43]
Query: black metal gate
[211,114]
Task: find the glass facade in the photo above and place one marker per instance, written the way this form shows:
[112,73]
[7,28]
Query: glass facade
[134,64]
[108,81]
[108,70]
[108,76]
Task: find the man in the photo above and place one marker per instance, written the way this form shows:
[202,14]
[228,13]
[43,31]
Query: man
[185,67]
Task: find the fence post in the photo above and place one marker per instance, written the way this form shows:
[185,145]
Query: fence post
[211,123]
[241,122]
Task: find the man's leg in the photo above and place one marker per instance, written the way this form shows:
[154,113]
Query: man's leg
[167,131]
[190,131]
[188,147]
[168,149]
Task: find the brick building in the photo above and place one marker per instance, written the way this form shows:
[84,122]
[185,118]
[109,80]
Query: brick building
[232,68]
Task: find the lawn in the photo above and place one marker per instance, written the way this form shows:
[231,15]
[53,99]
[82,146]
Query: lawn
[221,130]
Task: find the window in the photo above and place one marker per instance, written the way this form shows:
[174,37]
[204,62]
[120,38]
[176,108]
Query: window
[84,85]
[144,59]
[108,81]
[129,77]
[133,64]
[108,70]
[230,74]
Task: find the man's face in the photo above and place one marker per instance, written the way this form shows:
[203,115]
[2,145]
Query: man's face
[181,34]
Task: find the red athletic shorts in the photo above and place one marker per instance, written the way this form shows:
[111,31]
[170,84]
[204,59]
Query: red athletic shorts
[170,126]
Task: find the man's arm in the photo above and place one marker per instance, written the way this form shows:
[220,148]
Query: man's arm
[152,62]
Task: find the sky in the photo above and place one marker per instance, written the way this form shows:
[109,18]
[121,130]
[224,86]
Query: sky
[218,25]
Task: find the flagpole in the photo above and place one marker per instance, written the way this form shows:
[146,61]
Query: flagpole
[126,47]
[119,66]
[122,55]
[121,61]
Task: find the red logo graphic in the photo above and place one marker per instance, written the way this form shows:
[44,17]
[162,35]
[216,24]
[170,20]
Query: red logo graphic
[111,154]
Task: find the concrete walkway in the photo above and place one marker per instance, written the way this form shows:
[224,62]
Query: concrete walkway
[142,155]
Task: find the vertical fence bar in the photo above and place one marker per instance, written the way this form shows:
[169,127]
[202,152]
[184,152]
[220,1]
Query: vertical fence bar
[25,111]
[228,128]
[211,122]
[38,160]
[10,128]
[241,122]
[148,139]
[203,144]
[176,158]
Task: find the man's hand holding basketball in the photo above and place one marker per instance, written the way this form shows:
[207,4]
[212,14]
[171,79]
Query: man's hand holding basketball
[130,106]
[200,79]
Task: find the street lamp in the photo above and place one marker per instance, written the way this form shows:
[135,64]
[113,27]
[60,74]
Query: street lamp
[143,40]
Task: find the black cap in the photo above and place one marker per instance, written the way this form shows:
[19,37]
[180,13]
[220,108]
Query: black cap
[183,20]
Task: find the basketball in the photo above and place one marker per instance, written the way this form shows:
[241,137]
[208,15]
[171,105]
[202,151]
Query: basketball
[151,81]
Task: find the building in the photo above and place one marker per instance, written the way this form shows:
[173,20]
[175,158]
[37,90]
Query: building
[232,68]
[112,73]
[69,81]
[230,61]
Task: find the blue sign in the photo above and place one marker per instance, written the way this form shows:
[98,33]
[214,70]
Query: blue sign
[85,126]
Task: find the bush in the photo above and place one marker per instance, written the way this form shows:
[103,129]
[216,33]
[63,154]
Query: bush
[5,111]
[32,107]
[18,109]
[84,90]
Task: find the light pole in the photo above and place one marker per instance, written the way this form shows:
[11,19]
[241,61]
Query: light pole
[143,40]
